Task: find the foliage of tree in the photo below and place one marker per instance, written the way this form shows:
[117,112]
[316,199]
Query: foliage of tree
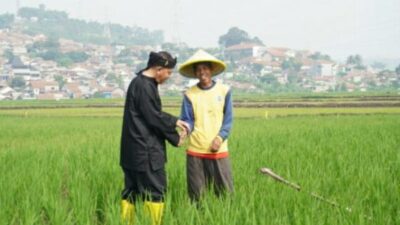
[125,53]
[341,87]
[49,50]
[269,79]
[101,72]
[354,60]
[257,40]
[42,14]
[60,80]
[98,95]
[397,70]
[371,84]
[9,55]
[18,82]
[236,36]
[64,61]
[49,43]
[360,67]
[395,84]
[77,56]
[341,74]
[256,68]
[319,56]
[111,77]
[51,54]
[125,57]
[291,64]
[384,73]
[57,24]
[6,20]
[120,82]
[293,79]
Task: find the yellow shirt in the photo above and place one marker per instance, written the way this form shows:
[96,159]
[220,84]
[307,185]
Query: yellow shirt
[208,111]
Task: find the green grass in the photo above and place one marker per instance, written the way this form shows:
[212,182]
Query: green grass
[61,166]
[116,112]
[60,103]
[287,98]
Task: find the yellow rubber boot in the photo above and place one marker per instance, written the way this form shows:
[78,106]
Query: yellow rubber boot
[127,212]
[155,209]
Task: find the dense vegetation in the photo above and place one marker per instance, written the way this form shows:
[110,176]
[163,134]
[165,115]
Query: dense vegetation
[60,166]
[57,24]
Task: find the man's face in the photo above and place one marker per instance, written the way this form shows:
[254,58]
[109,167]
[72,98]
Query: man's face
[203,73]
[163,74]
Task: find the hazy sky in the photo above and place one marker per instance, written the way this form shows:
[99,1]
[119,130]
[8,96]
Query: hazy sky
[336,27]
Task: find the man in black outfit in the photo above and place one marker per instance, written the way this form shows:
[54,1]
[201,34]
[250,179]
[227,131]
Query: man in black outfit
[144,131]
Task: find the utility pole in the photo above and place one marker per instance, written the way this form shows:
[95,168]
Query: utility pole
[107,31]
[107,28]
[176,37]
[17,5]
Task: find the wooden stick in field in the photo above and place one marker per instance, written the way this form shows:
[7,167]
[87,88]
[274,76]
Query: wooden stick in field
[270,173]
[297,187]
[276,177]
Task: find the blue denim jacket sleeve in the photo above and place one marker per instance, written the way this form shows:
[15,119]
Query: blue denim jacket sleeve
[187,112]
[228,117]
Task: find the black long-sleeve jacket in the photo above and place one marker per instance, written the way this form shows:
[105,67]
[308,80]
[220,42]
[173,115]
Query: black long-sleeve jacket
[145,127]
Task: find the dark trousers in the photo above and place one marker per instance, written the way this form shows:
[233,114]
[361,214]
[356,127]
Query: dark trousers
[148,185]
[203,173]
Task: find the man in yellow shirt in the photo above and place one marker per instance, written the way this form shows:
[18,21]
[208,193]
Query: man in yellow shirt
[207,108]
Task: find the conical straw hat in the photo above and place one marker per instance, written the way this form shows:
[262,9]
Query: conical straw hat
[186,69]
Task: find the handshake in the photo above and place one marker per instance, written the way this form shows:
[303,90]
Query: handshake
[184,131]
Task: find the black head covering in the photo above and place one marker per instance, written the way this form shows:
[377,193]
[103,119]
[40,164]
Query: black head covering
[163,59]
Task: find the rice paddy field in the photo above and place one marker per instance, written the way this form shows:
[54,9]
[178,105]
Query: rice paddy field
[61,166]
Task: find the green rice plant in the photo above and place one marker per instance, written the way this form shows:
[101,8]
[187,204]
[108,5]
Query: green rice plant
[61,166]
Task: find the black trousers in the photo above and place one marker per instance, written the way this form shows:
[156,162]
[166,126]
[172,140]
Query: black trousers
[148,185]
[203,173]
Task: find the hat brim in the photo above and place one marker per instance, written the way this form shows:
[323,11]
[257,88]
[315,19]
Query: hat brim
[186,69]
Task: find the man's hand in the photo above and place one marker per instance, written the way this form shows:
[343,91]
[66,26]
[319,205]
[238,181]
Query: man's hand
[216,144]
[182,137]
[183,125]
[185,129]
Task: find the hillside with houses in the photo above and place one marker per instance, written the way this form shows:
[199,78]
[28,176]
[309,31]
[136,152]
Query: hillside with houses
[36,65]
